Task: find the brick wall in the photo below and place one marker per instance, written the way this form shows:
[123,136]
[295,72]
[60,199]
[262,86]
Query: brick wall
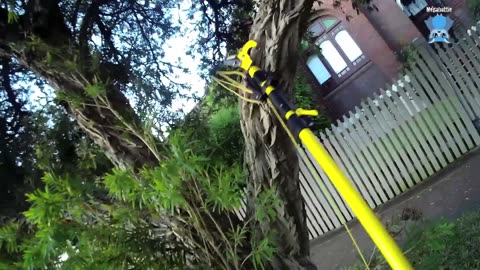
[391,22]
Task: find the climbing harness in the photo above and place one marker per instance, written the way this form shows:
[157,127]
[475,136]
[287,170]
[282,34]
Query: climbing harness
[297,125]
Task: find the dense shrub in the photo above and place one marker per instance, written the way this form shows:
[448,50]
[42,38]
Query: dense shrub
[447,245]
[304,98]
[474,7]
[226,135]
[439,245]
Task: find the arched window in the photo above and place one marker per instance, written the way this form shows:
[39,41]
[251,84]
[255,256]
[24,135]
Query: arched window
[340,54]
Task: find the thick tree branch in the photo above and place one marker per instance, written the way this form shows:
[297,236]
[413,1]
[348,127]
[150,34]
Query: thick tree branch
[7,86]
[124,149]
[107,37]
[88,20]
[12,96]
[74,17]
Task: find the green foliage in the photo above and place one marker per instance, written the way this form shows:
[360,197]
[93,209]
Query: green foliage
[223,191]
[51,203]
[95,90]
[73,99]
[12,14]
[12,17]
[83,220]
[182,180]
[304,99]
[439,245]
[267,202]
[407,56]
[263,252]
[121,185]
[66,220]
[214,128]
[9,238]
[474,7]
[226,136]
[447,245]
[166,184]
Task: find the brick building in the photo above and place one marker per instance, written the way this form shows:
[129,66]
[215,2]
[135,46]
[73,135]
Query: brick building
[359,55]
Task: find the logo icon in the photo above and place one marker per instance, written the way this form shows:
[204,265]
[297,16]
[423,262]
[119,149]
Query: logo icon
[439,26]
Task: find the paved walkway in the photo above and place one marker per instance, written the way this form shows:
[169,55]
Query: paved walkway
[447,194]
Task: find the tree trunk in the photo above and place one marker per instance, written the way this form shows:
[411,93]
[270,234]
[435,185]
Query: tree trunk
[44,20]
[270,156]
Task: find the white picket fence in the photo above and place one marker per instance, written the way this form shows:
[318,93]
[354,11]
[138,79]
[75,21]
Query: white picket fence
[396,139]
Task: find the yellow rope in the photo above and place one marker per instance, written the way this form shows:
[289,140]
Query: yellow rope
[235,83]
[222,83]
[324,189]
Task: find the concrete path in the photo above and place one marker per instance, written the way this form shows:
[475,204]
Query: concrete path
[447,194]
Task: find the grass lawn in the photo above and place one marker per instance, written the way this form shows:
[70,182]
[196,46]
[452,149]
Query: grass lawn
[440,245]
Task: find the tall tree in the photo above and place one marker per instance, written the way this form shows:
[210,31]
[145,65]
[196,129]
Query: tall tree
[272,159]
[93,54]
[58,41]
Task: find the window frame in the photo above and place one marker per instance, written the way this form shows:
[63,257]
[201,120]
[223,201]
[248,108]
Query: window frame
[330,34]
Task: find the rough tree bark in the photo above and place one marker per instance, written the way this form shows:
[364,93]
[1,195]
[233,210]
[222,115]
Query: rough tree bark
[270,156]
[44,20]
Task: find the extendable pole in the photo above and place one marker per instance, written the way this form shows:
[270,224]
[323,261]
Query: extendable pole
[365,215]
[360,208]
